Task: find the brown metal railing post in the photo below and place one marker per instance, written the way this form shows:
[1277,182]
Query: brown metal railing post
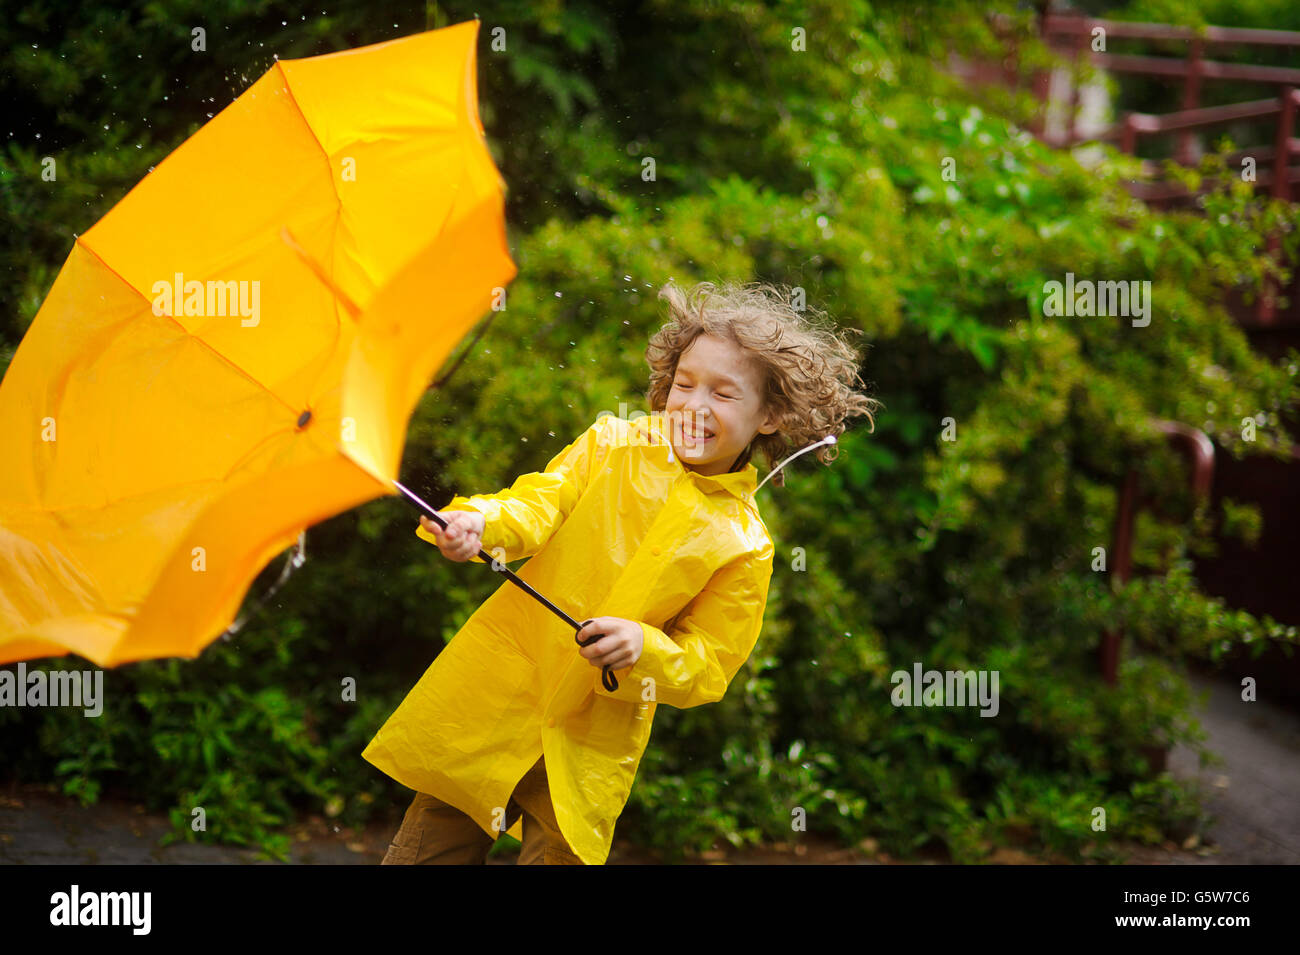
[1191,97]
[1128,137]
[1266,311]
[1042,82]
[1200,451]
[1286,129]
[1076,79]
[1121,553]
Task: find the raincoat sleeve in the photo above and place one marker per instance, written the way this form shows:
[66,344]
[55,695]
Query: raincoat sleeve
[707,643]
[522,518]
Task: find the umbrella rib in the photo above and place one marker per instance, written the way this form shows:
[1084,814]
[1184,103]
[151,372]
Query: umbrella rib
[329,174]
[318,270]
[341,301]
[196,338]
[284,78]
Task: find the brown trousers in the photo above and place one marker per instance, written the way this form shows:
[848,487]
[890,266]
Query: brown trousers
[435,833]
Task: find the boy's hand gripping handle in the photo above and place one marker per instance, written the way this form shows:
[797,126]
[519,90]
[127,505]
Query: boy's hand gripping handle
[607,678]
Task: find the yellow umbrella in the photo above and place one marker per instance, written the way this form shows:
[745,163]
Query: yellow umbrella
[233,352]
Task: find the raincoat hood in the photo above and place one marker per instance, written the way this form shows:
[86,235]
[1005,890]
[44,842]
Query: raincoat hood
[616,526]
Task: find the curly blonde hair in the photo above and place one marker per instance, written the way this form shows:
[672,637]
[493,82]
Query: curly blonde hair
[807,366]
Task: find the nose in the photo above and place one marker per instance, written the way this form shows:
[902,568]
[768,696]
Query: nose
[697,410]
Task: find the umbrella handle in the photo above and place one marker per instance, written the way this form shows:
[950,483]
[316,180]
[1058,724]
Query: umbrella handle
[606,674]
[607,678]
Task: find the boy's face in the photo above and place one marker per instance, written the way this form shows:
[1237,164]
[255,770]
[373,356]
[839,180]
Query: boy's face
[714,407]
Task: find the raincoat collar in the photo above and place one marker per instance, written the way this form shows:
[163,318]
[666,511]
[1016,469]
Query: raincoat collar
[739,483]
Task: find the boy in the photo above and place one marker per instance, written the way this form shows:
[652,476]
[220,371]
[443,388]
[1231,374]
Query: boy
[649,528]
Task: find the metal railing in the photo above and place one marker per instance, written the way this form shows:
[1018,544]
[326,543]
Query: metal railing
[1073,34]
[1198,448]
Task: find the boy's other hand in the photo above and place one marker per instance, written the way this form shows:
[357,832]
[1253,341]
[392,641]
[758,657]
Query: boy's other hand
[463,537]
[619,648]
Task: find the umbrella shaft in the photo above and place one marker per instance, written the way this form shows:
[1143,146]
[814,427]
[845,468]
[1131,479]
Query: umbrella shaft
[497,565]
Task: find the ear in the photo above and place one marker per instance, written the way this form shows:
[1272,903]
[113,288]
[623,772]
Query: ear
[770,423]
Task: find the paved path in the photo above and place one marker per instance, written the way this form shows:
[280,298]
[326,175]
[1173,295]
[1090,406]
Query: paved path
[1255,797]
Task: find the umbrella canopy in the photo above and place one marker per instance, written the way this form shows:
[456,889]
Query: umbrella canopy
[233,352]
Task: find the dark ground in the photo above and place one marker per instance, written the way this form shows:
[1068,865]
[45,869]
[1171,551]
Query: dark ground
[1254,796]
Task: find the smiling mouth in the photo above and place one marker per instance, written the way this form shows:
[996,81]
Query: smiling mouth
[697,435]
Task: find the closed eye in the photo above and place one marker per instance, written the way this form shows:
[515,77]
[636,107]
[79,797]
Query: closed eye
[682,387]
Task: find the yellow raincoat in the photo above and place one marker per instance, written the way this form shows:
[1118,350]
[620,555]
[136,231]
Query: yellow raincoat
[619,527]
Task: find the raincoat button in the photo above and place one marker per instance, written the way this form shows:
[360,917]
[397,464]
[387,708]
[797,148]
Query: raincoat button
[655,551]
[551,722]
